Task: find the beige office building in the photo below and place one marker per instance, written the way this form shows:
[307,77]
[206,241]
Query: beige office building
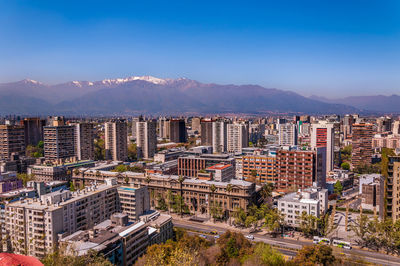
[237,137]
[116,141]
[84,141]
[146,139]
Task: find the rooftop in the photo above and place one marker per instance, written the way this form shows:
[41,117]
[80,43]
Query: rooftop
[219,166]
[74,196]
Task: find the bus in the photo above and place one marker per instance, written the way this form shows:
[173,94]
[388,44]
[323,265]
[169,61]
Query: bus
[321,240]
[341,244]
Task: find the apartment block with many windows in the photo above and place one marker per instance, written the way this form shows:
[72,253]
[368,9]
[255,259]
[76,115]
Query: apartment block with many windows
[34,224]
[262,166]
[12,140]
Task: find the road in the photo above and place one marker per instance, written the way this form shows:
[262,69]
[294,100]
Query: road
[289,246]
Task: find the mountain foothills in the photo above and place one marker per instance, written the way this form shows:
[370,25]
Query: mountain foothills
[146,94]
[375,103]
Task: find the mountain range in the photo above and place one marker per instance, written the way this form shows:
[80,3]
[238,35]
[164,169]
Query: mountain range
[151,95]
[374,104]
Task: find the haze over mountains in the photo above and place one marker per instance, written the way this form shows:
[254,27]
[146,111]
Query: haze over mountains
[375,103]
[150,95]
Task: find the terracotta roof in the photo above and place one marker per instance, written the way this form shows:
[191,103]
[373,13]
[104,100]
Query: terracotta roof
[8,259]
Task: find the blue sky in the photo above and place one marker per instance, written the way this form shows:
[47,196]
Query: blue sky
[328,48]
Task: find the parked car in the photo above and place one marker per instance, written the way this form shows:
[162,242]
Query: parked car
[250,237]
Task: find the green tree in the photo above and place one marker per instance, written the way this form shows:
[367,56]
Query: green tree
[26,178]
[346,152]
[99,149]
[325,225]
[264,254]
[72,186]
[314,255]
[274,220]
[92,258]
[132,152]
[121,168]
[266,192]
[338,188]
[239,217]
[216,211]
[233,245]
[262,142]
[253,176]
[345,166]
[308,224]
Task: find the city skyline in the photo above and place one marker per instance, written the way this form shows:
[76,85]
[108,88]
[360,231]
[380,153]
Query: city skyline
[325,49]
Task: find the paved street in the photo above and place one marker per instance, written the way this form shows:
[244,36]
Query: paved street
[288,246]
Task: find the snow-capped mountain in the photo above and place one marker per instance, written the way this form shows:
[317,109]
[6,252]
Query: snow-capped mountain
[151,95]
[128,79]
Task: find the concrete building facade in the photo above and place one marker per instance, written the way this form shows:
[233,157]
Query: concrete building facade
[237,137]
[323,135]
[116,140]
[84,141]
[59,142]
[146,139]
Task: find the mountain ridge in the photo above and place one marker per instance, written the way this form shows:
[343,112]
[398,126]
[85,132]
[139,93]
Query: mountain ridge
[151,95]
[372,103]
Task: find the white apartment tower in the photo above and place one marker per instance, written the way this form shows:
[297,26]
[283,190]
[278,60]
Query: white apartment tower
[163,128]
[116,138]
[84,141]
[146,139]
[219,136]
[288,134]
[238,137]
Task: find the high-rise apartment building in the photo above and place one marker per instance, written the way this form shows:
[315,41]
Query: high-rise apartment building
[206,126]
[347,128]
[146,139]
[392,188]
[134,121]
[287,134]
[237,137]
[362,144]
[12,140]
[163,128]
[59,142]
[116,140]
[396,128]
[297,168]
[196,124]
[322,135]
[33,130]
[177,130]
[384,124]
[84,141]
[35,224]
[219,136]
